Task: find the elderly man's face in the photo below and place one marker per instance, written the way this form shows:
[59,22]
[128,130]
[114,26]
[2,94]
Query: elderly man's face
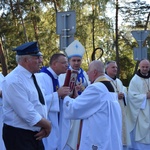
[112,69]
[34,63]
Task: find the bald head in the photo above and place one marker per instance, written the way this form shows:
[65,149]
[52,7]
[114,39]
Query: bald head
[144,66]
[97,65]
[96,69]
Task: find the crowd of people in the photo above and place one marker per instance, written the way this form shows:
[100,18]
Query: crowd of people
[39,111]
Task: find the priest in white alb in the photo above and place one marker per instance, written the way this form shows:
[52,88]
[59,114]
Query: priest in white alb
[138,108]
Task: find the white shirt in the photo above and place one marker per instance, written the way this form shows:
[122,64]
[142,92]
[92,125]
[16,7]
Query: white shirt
[22,107]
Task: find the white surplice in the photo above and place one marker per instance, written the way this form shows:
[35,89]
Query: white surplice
[138,113]
[71,138]
[53,109]
[118,87]
[101,114]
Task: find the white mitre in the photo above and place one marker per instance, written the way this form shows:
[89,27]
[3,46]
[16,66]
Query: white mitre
[75,49]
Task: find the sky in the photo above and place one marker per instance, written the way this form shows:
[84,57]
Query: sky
[147,1]
[110,9]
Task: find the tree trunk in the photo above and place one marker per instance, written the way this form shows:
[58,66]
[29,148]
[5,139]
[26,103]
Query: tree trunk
[22,21]
[3,62]
[116,41]
[93,35]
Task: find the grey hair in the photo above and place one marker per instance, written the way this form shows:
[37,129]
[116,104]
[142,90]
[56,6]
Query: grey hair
[109,62]
[98,65]
[20,58]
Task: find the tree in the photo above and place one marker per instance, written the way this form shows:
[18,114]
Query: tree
[136,14]
[31,20]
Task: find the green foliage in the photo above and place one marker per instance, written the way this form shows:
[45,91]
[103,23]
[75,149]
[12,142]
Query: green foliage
[36,21]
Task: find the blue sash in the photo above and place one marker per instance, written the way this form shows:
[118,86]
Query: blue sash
[80,75]
[55,81]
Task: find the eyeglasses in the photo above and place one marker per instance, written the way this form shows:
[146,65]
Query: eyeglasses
[63,62]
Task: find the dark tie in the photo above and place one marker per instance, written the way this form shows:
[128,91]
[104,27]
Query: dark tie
[41,98]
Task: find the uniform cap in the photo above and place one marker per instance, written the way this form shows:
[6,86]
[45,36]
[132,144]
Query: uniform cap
[28,48]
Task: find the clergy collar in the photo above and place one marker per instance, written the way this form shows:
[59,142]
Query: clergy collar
[101,78]
[142,76]
[110,77]
[76,70]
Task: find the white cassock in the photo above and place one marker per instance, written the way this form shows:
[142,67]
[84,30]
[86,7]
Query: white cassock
[118,87]
[71,131]
[60,129]
[138,113]
[101,114]
[2,147]
[52,101]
